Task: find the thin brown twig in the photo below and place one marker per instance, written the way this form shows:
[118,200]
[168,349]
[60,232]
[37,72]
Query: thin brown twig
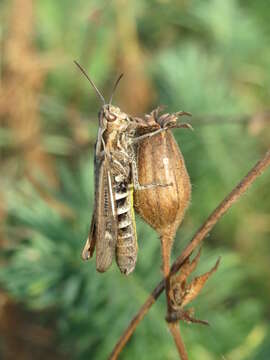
[175,331]
[222,208]
[166,256]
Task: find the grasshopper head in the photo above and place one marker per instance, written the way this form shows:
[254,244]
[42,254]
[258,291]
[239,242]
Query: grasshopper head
[113,113]
[115,119]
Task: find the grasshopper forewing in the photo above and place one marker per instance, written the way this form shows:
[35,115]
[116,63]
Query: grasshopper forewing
[103,230]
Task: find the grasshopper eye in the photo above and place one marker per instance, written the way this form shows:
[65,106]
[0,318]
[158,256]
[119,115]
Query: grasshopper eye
[110,116]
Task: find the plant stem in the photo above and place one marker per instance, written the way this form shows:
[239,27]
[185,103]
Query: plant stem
[175,331]
[166,242]
[222,208]
[166,255]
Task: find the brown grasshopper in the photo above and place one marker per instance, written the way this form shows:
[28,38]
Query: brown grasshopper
[113,228]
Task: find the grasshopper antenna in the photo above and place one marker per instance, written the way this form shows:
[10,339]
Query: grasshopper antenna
[91,82]
[115,86]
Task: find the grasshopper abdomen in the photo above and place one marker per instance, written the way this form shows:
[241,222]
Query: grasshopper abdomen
[126,244]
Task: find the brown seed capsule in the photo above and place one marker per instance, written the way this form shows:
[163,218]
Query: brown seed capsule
[161,161]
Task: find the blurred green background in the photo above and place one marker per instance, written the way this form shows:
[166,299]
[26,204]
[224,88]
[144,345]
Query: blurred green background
[209,57]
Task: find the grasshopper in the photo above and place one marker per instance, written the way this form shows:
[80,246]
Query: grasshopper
[113,229]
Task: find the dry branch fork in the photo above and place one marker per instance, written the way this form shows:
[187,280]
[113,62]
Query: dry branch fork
[199,236]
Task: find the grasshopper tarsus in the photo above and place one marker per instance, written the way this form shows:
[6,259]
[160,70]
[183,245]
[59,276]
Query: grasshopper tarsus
[86,253]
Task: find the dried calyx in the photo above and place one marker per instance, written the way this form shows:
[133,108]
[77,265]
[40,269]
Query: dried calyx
[182,293]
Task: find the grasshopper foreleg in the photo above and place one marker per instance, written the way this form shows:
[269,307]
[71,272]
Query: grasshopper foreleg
[148,135]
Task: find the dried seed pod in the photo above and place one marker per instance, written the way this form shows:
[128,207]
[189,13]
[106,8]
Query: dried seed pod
[161,161]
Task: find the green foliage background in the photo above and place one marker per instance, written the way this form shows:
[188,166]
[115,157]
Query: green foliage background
[209,57]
